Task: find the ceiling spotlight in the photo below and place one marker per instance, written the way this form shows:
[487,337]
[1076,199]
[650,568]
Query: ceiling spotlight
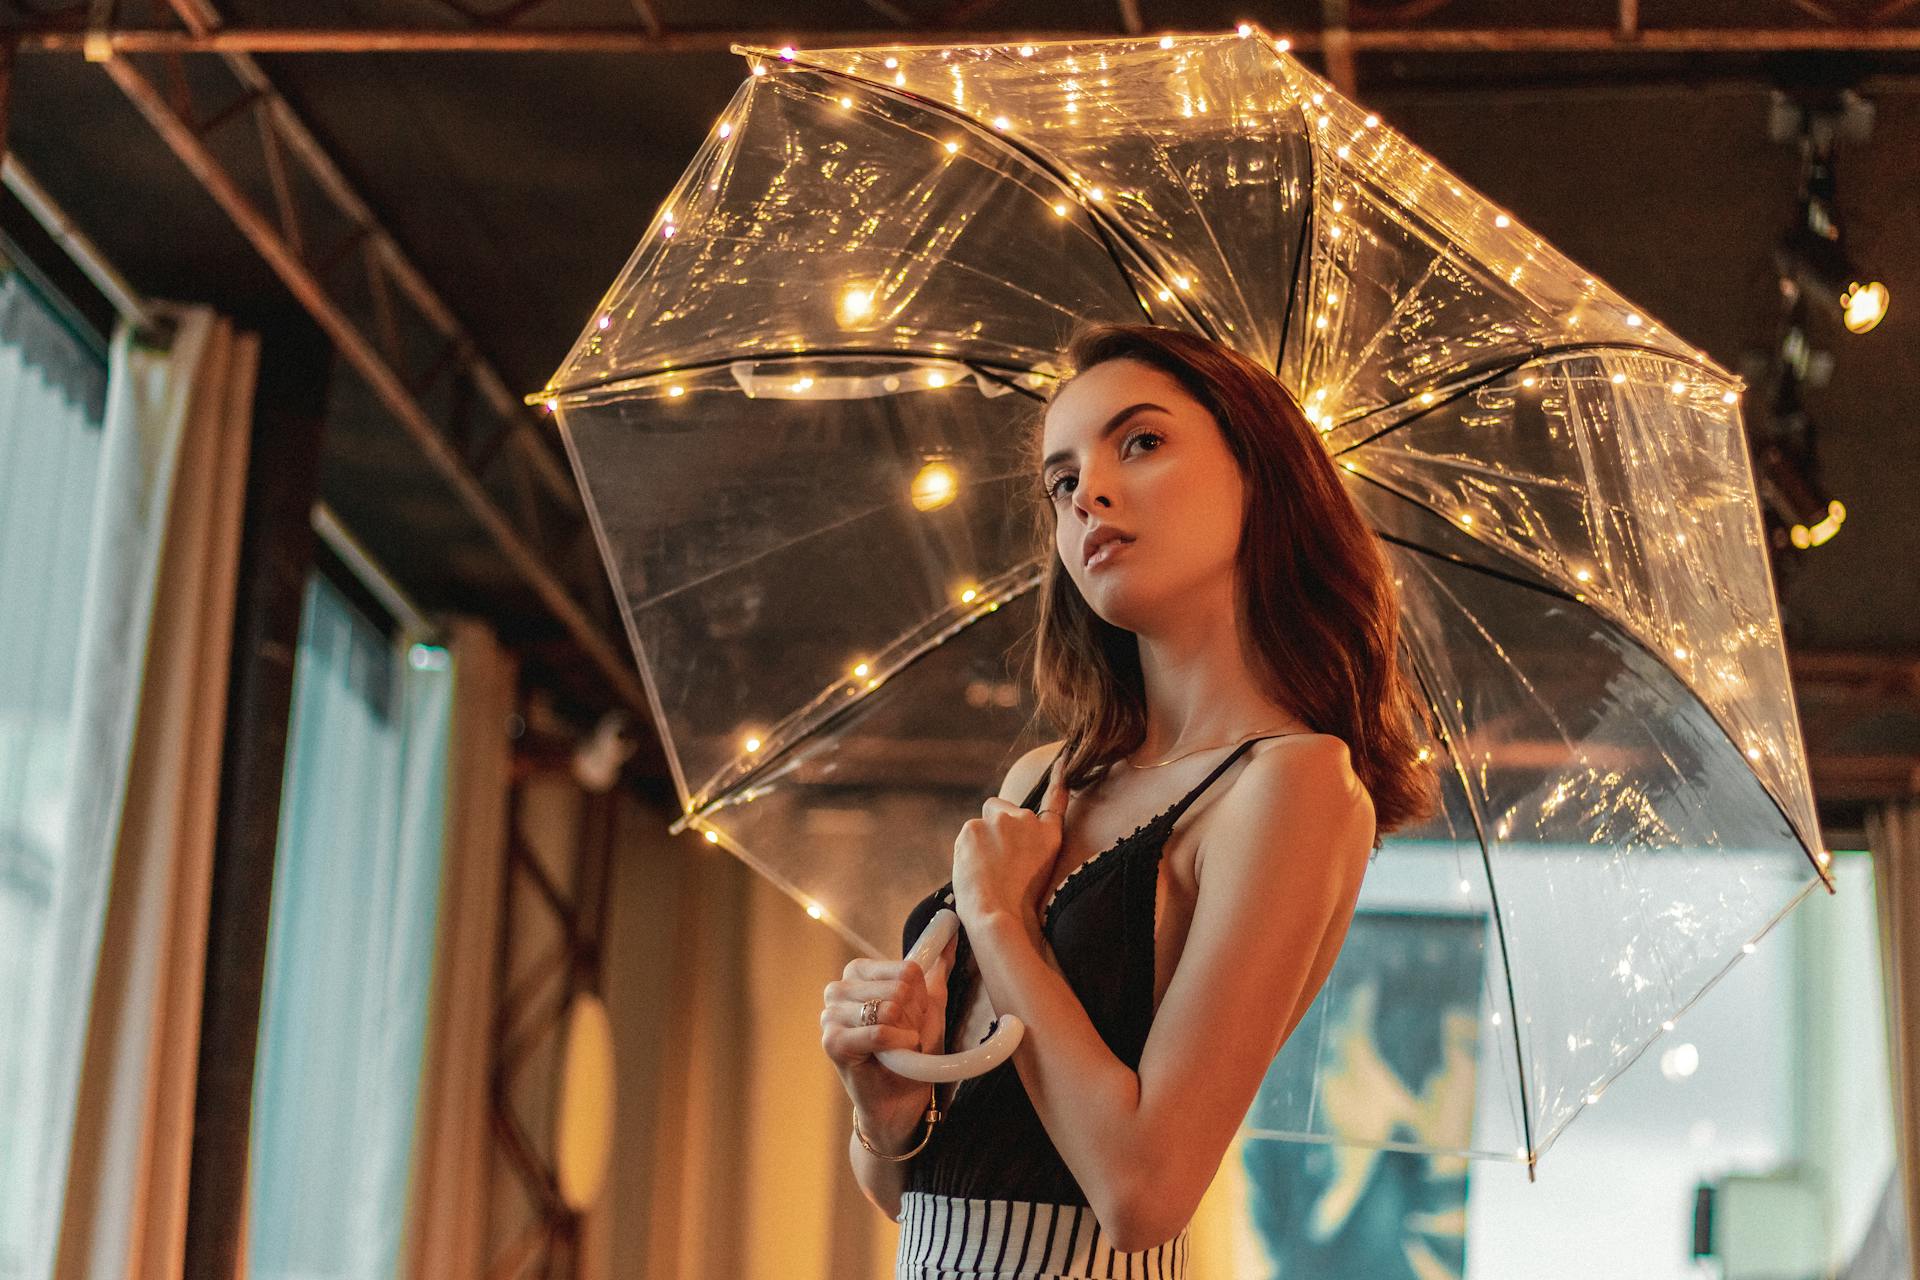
[1863,306]
[1812,256]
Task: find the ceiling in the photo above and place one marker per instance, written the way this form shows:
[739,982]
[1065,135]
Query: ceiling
[516,181]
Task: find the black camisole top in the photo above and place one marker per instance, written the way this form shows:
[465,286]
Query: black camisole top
[990,1143]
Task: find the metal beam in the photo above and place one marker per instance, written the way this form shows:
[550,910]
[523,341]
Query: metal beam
[203,22]
[1538,40]
[374,367]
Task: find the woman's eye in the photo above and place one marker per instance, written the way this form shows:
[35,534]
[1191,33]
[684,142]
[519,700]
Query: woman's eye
[1053,490]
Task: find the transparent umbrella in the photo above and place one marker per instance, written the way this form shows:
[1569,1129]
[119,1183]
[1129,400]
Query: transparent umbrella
[796,417]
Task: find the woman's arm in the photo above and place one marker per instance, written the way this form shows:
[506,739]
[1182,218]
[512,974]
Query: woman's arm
[884,1181]
[1277,889]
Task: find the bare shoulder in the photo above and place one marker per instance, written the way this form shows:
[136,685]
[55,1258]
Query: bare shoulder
[1028,770]
[1302,782]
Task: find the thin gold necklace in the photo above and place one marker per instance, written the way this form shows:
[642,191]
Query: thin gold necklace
[1196,751]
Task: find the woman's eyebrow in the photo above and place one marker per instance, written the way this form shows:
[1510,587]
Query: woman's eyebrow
[1113,424]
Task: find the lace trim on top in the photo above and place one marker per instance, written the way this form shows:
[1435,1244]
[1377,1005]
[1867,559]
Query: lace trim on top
[1062,894]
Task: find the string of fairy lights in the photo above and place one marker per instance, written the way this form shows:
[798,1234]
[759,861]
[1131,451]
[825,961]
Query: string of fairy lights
[1345,135]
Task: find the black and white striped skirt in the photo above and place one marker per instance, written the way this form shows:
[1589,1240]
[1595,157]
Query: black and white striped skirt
[949,1238]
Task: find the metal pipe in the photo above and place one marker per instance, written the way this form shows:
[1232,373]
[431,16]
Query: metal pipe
[387,387]
[413,624]
[131,306]
[1675,40]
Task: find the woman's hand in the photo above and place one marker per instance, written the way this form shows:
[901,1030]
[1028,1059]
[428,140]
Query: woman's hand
[1003,860]
[912,1015]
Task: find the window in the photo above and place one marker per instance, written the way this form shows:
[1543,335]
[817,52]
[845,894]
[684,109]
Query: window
[54,863]
[350,948]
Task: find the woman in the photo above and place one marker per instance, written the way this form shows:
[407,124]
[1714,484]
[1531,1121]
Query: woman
[1217,638]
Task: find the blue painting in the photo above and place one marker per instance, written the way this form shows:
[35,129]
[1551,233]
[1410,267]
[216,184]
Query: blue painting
[1394,1035]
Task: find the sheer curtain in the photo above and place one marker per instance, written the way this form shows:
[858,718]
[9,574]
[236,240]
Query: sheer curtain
[350,949]
[52,407]
[119,513]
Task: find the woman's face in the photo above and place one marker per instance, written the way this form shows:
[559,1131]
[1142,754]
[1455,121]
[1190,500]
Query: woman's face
[1125,447]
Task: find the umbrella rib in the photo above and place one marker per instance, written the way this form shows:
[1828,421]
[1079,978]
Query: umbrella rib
[1173,177]
[805,353]
[1034,157]
[1312,202]
[1625,631]
[1399,308]
[1493,893]
[1499,368]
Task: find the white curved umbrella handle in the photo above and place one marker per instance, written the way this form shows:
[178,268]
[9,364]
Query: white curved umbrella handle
[939,1068]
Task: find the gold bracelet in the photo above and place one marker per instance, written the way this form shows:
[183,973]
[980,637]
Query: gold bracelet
[932,1118]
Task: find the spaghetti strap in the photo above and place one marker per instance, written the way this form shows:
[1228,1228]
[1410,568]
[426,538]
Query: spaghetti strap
[1039,787]
[1191,796]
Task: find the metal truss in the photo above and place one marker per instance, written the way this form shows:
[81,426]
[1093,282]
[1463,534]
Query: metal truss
[533,1003]
[1347,28]
[330,250]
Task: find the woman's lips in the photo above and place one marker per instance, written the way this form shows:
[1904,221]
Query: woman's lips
[1108,550]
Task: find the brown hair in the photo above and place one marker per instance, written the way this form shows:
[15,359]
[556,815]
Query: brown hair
[1314,586]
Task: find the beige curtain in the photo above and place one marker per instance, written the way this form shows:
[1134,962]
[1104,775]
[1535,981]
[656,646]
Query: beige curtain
[1893,837]
[453,1143]
[126,1195]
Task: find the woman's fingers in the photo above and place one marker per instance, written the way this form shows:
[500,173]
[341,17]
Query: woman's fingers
[906,997]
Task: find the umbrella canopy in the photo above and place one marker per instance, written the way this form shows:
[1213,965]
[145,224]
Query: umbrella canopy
[797,418]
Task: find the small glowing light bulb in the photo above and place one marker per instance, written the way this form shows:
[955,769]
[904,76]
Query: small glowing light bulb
[1026,51]
[1619,378]
[845,103]
[1333,296]
[1283,45]
[952,147]
[856,304]
[787,52]
[861,670]
[1528,381]
[759,68]
[1583,575]
[713,837]
[891,63]
[1502,221]
[1680,652]
[1165,295]
[1096,194]
[1633,321]
[1059,210]
[936,379]
[1466,517]
[676,392]
[1001,122]
[1728,397]
[1166,42]
[753,744]
[1372,122]
[1678,386]
[726,130]
[1753,753]
[1339,206]
[1747,947]
[813,909]
[966,597]
[1245,30]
